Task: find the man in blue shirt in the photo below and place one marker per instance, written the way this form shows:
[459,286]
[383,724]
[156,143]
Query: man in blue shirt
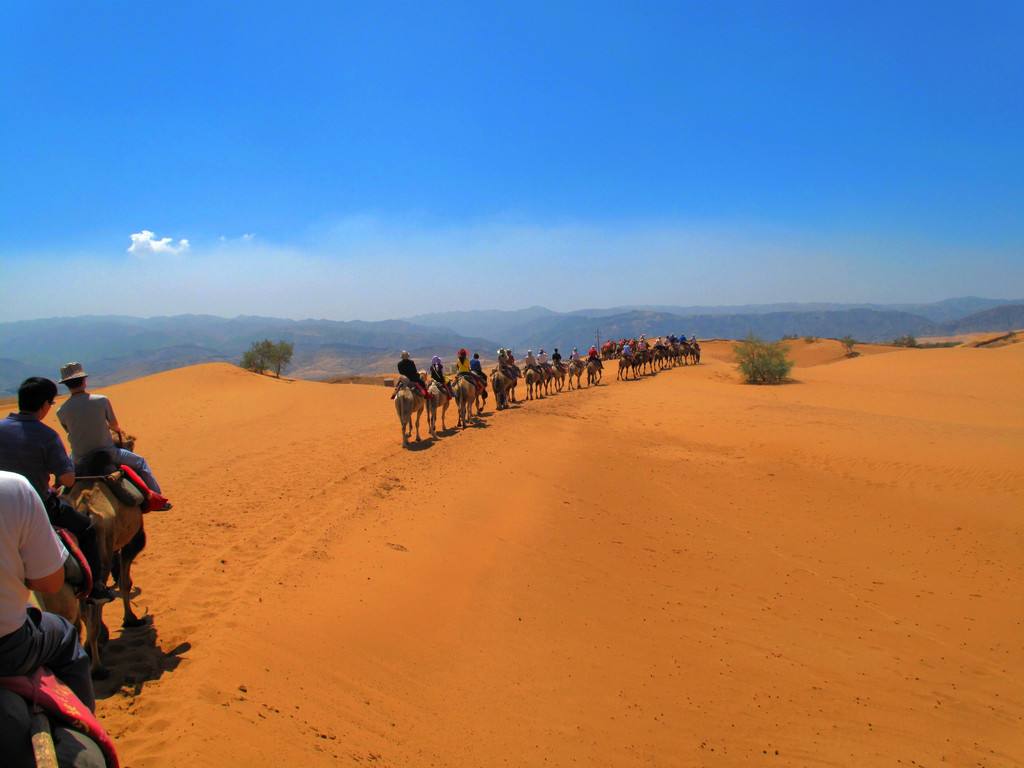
[33,450]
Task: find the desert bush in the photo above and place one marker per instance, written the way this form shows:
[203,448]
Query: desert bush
[790,337]
[848,343]
[761,362]
[905,341]
[266,355]
[810,339]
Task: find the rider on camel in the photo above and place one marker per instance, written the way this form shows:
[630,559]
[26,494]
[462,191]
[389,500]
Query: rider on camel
[556,359]
[89,420]
[593,356]
[574,356]
[505,363]
[463,367]
[542,358]
[437,374]
[33,450]
[530,361]
[407,368]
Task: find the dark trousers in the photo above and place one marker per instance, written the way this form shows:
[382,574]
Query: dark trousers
[63,515]
[48,640]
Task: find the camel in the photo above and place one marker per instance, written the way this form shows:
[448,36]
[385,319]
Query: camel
[625,365]
[575,371]
[641,360]
[501,383]
[684,352]
[559,372]
[408,402]
[440,400]
[547,377]
[515,383]
[593,372]
[121,537]
[481,399]
[533,379]
[465,396]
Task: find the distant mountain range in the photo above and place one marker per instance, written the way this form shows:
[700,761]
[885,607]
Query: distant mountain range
[536,326]
[115,348]
[119,348]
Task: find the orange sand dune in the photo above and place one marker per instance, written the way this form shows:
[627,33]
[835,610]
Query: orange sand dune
[680,570]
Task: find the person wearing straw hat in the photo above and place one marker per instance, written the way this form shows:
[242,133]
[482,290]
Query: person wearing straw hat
[89,419]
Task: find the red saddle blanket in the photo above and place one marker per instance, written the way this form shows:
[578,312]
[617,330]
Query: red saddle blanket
[59,701]
[477,381]
[72,546]
[153,499]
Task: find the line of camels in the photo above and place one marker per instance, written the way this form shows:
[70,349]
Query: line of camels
[541,380]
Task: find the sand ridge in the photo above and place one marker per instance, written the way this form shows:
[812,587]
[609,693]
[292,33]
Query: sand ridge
[676,571]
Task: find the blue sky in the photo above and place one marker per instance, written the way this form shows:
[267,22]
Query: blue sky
[373,160]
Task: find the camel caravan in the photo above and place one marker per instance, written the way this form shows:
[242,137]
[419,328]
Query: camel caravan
[468,385]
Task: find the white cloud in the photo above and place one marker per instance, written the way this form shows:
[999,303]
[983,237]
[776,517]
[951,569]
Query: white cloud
[146,242]
[373,269]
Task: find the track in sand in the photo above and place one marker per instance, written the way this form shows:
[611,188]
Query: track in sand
[675,571]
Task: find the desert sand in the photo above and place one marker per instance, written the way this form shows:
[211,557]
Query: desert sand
[676,571]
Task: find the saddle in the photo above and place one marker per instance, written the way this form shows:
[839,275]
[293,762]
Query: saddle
[404,382]
[43,689]
[477,381]
[123,481]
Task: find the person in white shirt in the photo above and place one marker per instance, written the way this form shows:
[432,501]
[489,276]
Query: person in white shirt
[32,557]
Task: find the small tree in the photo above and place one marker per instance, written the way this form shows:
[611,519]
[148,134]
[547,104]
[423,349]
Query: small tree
[848,342]
[762,362]
[905,341]
[266,355]
[258,356]
[281,356]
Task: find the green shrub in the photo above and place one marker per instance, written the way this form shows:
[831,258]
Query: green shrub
[905,341]
[761,362]
[848,343]
[265,354]
[810,339]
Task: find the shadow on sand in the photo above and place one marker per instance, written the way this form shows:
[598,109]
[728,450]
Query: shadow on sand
[423,445]
[135,658]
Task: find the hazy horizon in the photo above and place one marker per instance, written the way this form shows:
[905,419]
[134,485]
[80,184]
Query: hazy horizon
[338,163]
[518,308]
